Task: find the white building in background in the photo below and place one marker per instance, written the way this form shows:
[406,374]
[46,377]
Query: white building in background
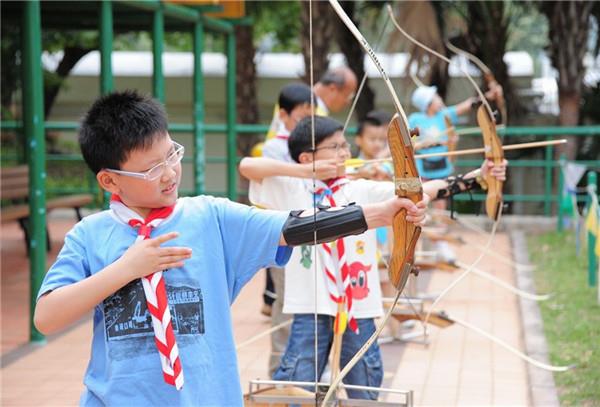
[133,70]
[273,70]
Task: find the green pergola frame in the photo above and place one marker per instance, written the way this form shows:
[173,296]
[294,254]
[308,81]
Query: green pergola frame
[87,15]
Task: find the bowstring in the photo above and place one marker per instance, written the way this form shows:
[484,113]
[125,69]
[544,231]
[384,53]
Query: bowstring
[314,187]
[363,80]
[442,57]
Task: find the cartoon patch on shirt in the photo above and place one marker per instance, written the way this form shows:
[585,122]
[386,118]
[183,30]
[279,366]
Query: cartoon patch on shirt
[358,280]
[306,259]
[128,322]
[360,247]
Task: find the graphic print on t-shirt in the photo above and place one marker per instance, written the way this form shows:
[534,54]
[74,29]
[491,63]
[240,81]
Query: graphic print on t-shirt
[306,259]
[359,280]
[129,323]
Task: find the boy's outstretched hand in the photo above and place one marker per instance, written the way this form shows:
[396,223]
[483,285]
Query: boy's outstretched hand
[497,171]
[324,169]
[382,213]
[147,256]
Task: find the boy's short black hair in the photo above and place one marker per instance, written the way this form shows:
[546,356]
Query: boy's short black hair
[374,118]
[294,94]
[300,140]
[117,124]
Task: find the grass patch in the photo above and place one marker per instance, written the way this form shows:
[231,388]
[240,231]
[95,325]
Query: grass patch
[571,317]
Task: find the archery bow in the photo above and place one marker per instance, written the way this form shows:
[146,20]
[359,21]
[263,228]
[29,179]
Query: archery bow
[494,152]
[408,185]
[488,77]
[485,119]
[452,136]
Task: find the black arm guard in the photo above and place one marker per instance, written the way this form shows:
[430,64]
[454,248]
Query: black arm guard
[330,224]
[456,185]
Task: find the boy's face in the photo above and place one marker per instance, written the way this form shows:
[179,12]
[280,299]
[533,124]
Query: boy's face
[142,195]
[372,140]
[436,105]
[290,120]
[333,147]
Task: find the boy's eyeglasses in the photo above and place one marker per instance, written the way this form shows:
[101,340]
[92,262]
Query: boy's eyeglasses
[158,170]
[336,147]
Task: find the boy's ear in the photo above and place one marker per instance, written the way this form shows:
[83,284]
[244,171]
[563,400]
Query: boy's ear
[107,182]
[358,140]
[305,157]
[282,114]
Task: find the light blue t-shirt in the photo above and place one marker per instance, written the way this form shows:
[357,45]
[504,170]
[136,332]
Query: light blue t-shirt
[230,243]
[431,127]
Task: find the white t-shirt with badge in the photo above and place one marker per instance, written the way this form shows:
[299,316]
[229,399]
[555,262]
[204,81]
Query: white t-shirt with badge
[287,193]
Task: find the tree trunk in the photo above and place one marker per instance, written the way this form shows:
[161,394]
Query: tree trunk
[487,37]
[355,58]
[71,56]
[245,83]
[569,26]
[421,20]
[439,70]
[322,34]
[569,116]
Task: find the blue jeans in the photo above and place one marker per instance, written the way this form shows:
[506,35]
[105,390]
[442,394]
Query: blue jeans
[298,361]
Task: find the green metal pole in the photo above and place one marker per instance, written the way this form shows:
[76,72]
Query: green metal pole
[158,79]
[231,114]
[106,75]
[548,185]
[199,137]
[592,258]
[561,186]
[106,40]
[33,123]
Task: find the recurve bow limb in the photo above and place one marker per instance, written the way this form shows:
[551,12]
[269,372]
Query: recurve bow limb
[488,77]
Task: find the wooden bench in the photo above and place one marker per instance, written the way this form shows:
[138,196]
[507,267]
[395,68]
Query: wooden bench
[14,184]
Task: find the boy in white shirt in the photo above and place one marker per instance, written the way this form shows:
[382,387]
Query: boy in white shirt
[279,185]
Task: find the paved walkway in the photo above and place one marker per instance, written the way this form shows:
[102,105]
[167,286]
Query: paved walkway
[458,367]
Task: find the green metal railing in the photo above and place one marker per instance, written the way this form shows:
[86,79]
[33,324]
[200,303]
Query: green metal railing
[548,164]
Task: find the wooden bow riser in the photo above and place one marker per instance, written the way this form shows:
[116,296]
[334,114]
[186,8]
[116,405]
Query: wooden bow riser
[491,81]
[435,266]
[451,136]
[439,319]
[408,185]
[437,237]
[494,152]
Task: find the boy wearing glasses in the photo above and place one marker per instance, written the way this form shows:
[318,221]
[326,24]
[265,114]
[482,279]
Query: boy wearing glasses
[160,273]
[344,269]
[279,185]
